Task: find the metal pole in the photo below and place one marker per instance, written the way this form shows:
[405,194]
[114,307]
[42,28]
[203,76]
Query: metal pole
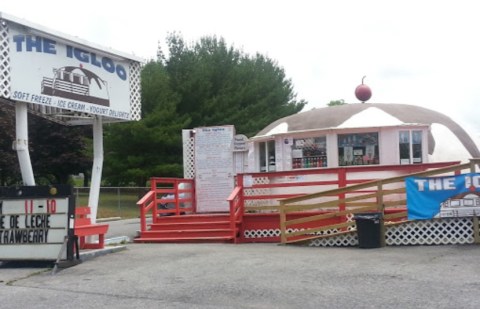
[21,143]
[97,167]
[118,201]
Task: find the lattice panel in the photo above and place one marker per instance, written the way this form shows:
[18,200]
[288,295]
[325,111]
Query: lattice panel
[446,231]
[259,191]
[344,240]
[261,233]
[4,61]
[276,233]
[135,91]
[265,233]
[188,157]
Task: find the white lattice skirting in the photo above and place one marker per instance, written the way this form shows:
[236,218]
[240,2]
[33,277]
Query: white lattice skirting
[446,231]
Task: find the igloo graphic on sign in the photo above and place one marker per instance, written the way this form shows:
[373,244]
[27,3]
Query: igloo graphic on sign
[462,205]
[77,83]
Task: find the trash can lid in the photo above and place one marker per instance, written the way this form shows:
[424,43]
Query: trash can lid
[368,215]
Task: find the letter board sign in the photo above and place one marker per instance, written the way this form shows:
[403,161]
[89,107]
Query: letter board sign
[35,222]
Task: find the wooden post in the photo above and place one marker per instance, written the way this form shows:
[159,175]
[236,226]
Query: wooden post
[380,205]
[473,162]
[283,219]
[342,183]
[153,187]
[241,200]
[476,236]
[381,209]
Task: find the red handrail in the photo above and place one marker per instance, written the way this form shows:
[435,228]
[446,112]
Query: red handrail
[235,201]
[145,204]
[274,186]
[169,191]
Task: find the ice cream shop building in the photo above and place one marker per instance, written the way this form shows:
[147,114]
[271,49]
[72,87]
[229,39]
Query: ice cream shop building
[303,178]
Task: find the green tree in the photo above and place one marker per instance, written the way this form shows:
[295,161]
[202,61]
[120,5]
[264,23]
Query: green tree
[136,151]
[336,102]
[218,84]
[9,167]
[57,151]
[206,83]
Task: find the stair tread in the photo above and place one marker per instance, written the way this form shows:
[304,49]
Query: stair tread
[173,239]
[191,222]
[192,237]
[189,230]
[213,216]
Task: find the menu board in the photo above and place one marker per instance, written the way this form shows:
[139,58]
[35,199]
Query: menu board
[214,168]
[34,226]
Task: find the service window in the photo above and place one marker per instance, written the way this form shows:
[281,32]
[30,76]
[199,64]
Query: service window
[358,149]
[267,156]
[309,152]
[417,146]
[410,146]
[404,147]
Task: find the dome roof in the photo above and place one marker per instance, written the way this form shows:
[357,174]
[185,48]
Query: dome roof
[370,115]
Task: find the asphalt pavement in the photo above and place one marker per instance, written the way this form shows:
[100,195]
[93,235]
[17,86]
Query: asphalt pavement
[248,276]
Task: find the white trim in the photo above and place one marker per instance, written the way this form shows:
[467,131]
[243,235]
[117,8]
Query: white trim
[56,34]
[336,129]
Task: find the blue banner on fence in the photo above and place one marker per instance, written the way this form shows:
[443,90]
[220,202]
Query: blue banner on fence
[450,196]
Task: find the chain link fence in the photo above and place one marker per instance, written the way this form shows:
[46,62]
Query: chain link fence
[113,201]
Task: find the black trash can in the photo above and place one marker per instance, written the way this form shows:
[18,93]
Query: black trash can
[370,229]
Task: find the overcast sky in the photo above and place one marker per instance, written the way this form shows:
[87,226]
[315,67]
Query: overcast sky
[423,53]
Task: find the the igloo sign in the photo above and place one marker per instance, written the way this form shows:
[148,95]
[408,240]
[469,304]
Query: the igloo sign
[68,80]
[50,71]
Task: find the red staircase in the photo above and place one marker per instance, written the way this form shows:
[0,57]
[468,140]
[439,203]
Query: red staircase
[189,228]
[171,203]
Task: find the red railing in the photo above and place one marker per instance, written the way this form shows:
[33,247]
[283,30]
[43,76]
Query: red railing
[173,196]
[167,196]
[235,201]
[145,204]
[261,192]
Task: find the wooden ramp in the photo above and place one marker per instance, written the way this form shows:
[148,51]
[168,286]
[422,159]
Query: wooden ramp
[189,228]
[352,233]
[306,240]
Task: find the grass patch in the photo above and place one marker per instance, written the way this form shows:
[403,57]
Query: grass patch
[113,202]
